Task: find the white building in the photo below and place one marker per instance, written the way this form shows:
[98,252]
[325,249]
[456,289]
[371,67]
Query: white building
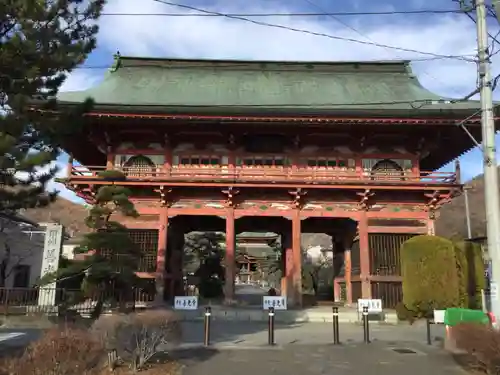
[22,252]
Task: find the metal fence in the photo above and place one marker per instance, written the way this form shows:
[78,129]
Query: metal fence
[25,301]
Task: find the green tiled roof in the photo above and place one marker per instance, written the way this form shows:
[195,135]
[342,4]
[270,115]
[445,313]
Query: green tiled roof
[177,85]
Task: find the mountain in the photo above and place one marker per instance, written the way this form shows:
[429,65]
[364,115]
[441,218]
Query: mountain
[70,215]
[452,222]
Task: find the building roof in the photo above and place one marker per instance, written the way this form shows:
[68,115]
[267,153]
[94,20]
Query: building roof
[182,86]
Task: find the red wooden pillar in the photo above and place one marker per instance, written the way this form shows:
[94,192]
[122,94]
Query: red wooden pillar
[161,256]
[347,275]
[297,258]
[364,255]
[230,251]
[287,254]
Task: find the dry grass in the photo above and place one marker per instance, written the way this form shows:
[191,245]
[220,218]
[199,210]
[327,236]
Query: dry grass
[58,352]
[137,338]
[482,345]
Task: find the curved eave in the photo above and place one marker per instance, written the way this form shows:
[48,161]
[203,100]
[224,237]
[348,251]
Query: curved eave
[442,113]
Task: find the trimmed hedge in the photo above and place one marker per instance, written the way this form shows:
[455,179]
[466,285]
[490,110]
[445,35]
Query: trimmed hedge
[430,277]
[470,269]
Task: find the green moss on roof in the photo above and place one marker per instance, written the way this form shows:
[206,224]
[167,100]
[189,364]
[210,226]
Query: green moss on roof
[176,84]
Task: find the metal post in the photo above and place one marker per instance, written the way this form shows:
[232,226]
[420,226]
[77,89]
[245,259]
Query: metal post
[366,326]
[208,313]
[489,158]
[336,335]
[467,212]
[270,337]
[428,329]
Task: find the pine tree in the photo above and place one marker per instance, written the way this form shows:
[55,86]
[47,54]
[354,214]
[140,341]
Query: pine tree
[110,257]
[41,41]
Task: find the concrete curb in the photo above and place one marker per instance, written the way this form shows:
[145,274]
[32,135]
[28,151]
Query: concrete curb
[287,317]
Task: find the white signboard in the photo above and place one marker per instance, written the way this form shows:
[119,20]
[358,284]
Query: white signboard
[186,303]
[439,316]
[494,291]
[374,305]
[50,262]
[277,302]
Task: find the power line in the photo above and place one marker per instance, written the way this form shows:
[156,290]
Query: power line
[303,31]
[493,38]
[310,2]
[340,14]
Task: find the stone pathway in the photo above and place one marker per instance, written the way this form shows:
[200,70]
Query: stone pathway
[355,359]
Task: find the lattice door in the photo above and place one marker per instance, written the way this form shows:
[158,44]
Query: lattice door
[139,166]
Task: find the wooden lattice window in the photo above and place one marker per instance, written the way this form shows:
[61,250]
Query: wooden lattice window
[387,169]
[139,165]
[147,241]
[262,161]
[330,163]
[200,160]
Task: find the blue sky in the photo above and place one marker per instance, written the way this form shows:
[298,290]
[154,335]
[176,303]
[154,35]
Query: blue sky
[219,37]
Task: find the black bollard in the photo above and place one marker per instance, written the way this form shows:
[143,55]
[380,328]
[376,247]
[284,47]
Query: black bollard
[336,335]
[270,336]
[208,314]
[366,326]
[428,328]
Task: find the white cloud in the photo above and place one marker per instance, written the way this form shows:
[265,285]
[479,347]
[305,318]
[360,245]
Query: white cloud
[219,37]
[80,79]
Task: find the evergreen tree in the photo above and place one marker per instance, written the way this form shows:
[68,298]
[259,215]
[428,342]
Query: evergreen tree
[41,41]
[110,257]
[204,254]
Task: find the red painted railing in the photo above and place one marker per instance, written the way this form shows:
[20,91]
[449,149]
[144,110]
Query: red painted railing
[267,175]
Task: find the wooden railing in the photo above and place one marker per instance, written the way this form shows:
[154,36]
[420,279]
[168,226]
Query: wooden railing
[268,174]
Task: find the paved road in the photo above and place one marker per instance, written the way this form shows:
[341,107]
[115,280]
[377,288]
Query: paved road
[250,294]
[244,334]
[356,359]
[241,335]
[240,348]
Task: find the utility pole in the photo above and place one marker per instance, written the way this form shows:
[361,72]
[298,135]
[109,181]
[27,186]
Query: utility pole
[491,193]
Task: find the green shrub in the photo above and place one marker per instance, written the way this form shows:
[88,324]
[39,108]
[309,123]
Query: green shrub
[430,277]
[470,267]
[404,314]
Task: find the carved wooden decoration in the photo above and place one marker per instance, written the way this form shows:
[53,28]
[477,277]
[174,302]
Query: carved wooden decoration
[433,200]
[298,195]
[164,195]
[230,194]
[364,202]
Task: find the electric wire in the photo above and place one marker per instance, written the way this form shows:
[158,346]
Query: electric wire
[309,32]
[311,3]
[305,14]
